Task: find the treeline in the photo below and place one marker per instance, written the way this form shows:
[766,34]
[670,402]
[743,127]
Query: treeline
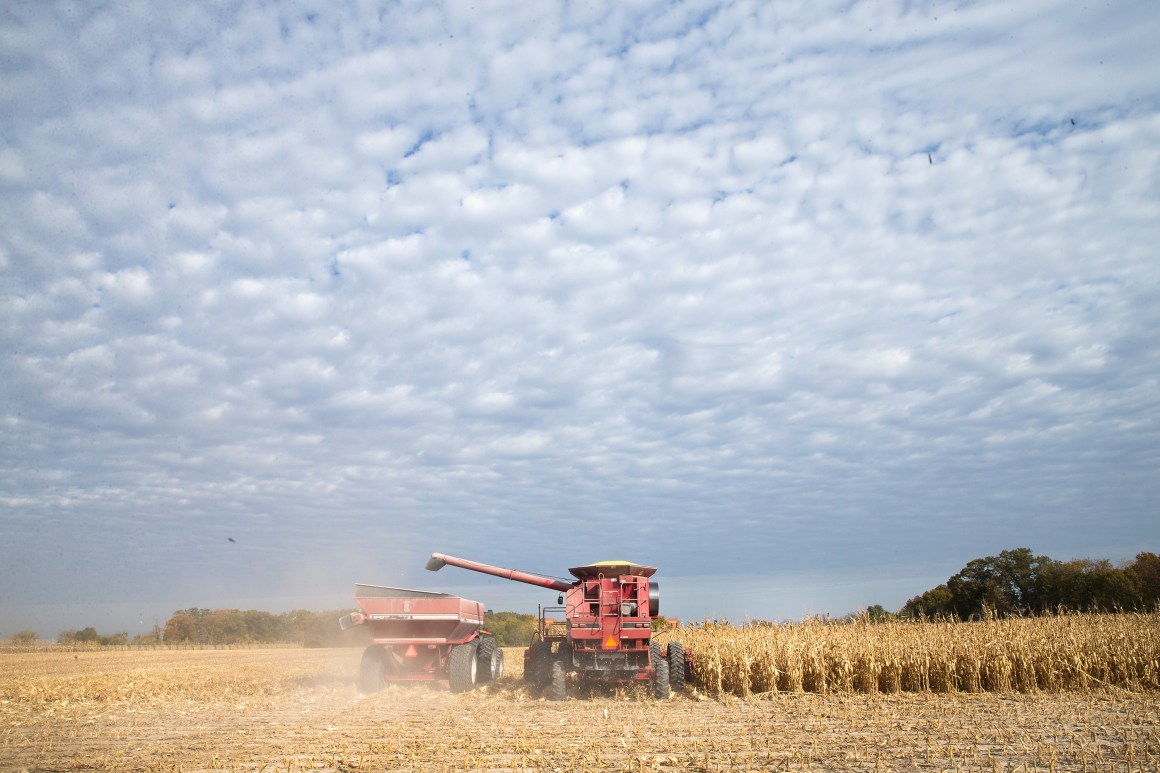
[309,629]
[511,629]
[252,626]
[1017,583]
[209,627]
[198,626]
[89,635]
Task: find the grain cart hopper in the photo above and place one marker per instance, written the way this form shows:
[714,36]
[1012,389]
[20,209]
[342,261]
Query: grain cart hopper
[603,631]
[423,636]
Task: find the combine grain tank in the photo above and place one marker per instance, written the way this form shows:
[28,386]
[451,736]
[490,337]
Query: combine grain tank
[603,631]
[422,636]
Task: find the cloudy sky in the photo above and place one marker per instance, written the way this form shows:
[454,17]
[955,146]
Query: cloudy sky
[807,304]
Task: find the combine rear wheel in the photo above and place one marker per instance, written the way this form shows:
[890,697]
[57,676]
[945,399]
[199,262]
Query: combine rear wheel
[660,679]
[372,671]
[537,653]
[660,676]
[463,667]
[490,659]
[677,667]
[557,684]
[497,665]
[543,674]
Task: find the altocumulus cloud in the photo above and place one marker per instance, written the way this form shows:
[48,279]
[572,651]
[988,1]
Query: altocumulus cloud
[819,301]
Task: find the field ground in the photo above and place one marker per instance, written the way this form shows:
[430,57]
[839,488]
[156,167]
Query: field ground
[299,710]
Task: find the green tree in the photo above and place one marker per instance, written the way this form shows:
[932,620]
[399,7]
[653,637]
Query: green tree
[1061,584]
[1007,584]
[511,629]
[296,622]
[87,635]
[1112,588]
[112,639]
[265,627]
[1020,571]
[322,630]
[1085,585]
[934,603]
[227,626]
[975,588]
[1017,582]
[1146,568]
[876,613]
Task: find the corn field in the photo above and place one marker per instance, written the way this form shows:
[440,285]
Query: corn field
[1061,653]
[300,710]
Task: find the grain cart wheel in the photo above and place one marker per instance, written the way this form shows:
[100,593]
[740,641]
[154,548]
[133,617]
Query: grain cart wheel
[660,679]
[463,668]
[677,669]
[372,671]
[557,684]
[490,660]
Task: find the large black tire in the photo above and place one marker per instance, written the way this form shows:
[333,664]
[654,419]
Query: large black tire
[372,671]
[654,652]
[537,651]
[564,655]
[544,663]
[488,657]
[557,682]
[463,668]
[660,679]
[677,667]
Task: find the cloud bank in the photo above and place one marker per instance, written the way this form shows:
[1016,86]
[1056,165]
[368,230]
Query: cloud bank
[853,291]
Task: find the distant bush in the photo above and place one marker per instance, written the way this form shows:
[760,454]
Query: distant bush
[90,636]
[153,637]
[23,638]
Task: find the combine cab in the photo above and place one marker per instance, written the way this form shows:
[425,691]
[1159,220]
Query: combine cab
[423,636]
[603,631]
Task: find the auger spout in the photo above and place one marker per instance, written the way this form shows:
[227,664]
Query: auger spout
[439,560]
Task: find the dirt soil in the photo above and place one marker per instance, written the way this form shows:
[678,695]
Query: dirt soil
[300,710]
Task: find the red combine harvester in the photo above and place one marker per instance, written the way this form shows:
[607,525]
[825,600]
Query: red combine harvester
[423,636]
[603,630]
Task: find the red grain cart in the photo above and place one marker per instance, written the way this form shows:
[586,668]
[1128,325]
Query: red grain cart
[423,636]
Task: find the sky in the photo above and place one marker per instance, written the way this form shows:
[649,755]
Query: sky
[805,304]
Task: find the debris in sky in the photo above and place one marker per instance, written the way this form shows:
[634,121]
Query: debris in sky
[231,539]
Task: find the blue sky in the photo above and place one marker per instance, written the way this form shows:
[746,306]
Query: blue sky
[805,304]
